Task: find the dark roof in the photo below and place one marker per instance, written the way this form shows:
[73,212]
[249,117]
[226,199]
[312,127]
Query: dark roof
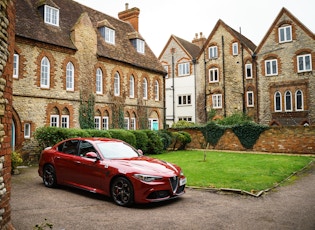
[30,24]
[191,48]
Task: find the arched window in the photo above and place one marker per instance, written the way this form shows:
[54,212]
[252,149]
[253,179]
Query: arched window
[116,84]
[277,102]
[99,81]
[299,104]
[145,88]
[288,101]
[156,90]
[132,87]
[45,73]
[70,77]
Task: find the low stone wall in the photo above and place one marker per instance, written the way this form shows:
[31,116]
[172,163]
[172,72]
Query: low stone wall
[293,140]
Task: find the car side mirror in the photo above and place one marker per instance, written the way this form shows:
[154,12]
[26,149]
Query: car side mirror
[140,152]
[92,155]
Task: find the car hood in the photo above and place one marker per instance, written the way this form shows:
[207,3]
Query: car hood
[146,165]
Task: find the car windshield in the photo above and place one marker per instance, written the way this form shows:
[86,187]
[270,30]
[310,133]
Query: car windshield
[114,150]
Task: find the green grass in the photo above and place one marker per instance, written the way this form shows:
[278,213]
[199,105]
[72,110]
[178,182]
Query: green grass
[244,171]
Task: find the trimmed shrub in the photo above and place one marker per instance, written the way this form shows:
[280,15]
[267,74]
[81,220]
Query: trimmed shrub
[155,144]
[181,138]
[166,137]
[123,135]
[98,133]
[141,140]
[183,124]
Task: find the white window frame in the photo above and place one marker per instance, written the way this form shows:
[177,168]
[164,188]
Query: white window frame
[54,120]
[273,72]
[126,123]
[213,75]
[133,123]
[296,101]
[140,46]
[16,61]
[185,118]
[249,69]
[27,130]
[45,73]
[152,123]
[156,90]
[51,15]
[132,87]
[183,69]
[217,101]
[235,48]
[275,101]
[70,77]
[283,36]
[213,52]
[65,121]
[286,103]
[99,81]
[303,64]
[105,121]
[97,122]
[145,88]
[250,98]
[184,100]
[117,84]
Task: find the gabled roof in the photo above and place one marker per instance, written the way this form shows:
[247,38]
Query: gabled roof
[244,40]
[191,49]
[273,25]
[30,25]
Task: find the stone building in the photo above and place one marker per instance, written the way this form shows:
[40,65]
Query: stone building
[229,77]
[179,60]
[7,27]
[67,54]
[285,63]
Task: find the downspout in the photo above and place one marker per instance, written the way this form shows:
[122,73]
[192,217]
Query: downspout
[223,70]
[243,80]
[205,96]
[164,103]
[254,61]
[194,61]
[173,82]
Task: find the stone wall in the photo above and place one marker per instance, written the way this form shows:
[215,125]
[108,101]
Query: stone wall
[7,25]
[293,140]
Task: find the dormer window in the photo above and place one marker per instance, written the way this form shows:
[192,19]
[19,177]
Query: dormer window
[139,45]
[108,34]
[51,15]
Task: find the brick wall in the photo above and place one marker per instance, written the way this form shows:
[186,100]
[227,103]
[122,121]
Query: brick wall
[7,16]
[293,140]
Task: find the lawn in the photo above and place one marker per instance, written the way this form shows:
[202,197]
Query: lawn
[243,171]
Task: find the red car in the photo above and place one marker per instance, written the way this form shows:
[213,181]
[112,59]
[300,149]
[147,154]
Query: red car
[110,167]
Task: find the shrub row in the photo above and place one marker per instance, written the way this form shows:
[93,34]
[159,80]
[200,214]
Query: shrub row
[149,141]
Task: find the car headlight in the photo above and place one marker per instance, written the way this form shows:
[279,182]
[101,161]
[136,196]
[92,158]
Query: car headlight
[147,178]
[181,173]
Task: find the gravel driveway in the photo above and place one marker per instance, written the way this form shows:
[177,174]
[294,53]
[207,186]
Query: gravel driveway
[288,207]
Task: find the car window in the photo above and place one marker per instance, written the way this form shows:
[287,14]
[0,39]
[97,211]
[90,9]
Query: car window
[86,147]
[69,147]
[114,150]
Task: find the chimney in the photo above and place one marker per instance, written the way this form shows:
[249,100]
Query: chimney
[199,41]
[131,16]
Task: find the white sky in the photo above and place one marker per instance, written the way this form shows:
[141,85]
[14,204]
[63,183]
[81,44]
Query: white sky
[159,19]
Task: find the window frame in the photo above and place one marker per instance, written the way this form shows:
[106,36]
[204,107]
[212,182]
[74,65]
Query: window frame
[126,123]
[145,88]
[270,62]
[248,95]
[70,77]
[132,86]
[27,130]
[97,122]
[16,62]
[156,90]
[297,100]
[235,48]
[51,15]
[303,56]
[284,29]
[65,124]
[45,73]
[99,81]
[213,52]
[105,123]
[288,104]
[184,100]
[217,101]
[117,84]
[133,123]
[56,122]
[212,76]
[276,102]
[250,68]
[183,69]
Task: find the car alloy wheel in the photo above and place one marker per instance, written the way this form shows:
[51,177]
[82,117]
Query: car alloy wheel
[122,191]
[49,176]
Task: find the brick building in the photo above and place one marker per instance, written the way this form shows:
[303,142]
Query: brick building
[285,63]
[7,27]
[67,53]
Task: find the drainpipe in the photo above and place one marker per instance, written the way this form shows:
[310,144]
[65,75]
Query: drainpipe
[194,61]
[173,82]
[223,65]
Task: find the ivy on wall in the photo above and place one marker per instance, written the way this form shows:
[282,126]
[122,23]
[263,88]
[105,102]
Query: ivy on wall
[86,113]
[212,132]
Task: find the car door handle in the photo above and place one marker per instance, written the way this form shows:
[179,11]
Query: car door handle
[77,162]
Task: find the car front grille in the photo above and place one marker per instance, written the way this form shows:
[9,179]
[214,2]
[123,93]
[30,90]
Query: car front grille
[174,183]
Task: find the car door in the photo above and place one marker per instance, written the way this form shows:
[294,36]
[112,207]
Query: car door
[65,161]
[90,171]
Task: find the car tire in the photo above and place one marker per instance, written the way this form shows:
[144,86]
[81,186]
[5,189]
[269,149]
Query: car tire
[122,191]
[49,176]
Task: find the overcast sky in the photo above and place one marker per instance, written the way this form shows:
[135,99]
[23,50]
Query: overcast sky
[159,19]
